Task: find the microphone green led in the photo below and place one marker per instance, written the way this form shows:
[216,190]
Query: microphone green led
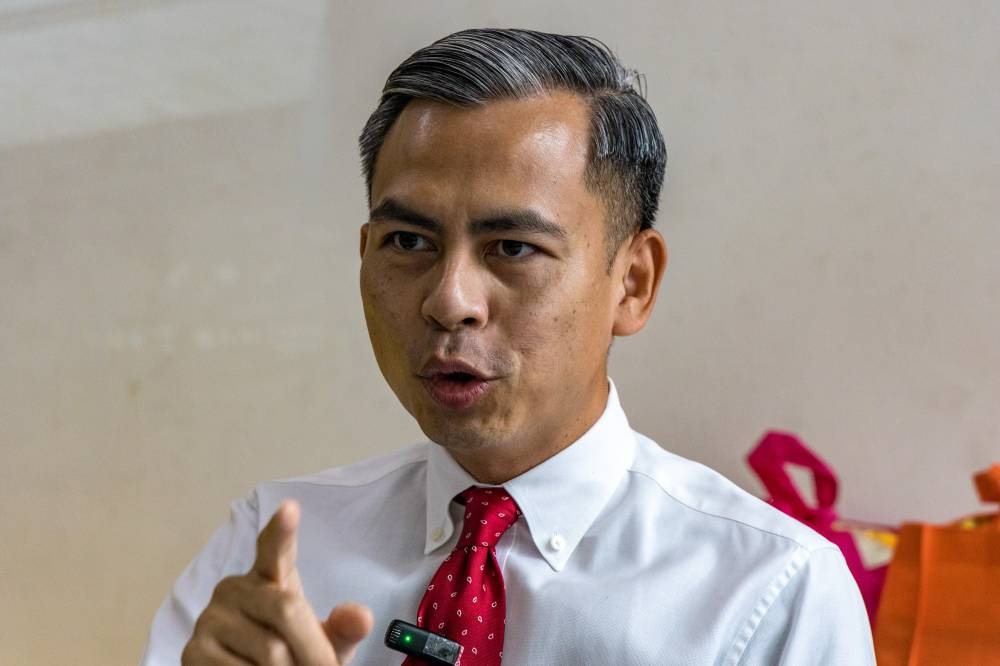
[414,641]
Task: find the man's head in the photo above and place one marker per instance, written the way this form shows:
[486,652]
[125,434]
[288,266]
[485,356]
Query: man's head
[502,252]
[626,154]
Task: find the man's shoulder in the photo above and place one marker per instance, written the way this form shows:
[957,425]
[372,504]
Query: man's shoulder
[708,497]
[355,489]
[363,472]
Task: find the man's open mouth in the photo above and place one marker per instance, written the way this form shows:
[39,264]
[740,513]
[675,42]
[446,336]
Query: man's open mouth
[455,387]
[460,377]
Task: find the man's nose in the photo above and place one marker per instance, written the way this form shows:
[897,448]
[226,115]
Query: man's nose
[457,295]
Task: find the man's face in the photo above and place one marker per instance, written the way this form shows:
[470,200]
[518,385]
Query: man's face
[484,277]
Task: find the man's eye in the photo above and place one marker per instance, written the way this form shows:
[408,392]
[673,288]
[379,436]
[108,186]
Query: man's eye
[406,241]
[515,249]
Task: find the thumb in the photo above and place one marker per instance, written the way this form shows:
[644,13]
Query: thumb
[346,626]
[276,548]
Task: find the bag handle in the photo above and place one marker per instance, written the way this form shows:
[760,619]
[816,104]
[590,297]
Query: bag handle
[768,460]
[988,486]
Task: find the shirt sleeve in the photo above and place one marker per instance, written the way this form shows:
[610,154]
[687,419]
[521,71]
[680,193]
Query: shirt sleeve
[230,550]
[818,617]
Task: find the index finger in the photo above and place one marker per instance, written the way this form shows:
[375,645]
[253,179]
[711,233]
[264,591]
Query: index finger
[276,548]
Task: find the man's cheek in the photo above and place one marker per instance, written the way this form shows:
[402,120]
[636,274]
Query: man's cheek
[386,303]
[537,342]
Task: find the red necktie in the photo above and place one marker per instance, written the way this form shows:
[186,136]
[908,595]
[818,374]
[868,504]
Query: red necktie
[465,599]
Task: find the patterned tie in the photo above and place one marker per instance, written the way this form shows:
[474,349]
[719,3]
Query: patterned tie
[465,599]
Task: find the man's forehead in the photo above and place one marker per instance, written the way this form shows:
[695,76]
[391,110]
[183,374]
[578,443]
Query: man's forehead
[515,141]
[555,124]
[505,164]
[524,113]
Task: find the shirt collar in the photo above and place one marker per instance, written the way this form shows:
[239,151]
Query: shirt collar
[559,498]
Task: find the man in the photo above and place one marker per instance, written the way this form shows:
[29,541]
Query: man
[513,179]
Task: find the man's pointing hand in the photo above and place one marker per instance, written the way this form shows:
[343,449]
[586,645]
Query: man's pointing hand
[263,618]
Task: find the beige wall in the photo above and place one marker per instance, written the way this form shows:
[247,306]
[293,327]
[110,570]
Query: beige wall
[179,319]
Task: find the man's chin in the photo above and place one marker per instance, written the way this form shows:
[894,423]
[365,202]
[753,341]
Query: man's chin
[479,425]
[460,434]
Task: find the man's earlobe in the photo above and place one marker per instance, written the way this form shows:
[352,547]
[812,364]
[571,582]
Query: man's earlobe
[645,262]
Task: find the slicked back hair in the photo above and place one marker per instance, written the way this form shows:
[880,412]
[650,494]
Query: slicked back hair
[627,156]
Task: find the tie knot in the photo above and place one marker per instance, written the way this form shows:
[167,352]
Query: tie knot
[488,514]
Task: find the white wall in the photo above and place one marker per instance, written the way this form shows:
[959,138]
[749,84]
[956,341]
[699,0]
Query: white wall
[179,319]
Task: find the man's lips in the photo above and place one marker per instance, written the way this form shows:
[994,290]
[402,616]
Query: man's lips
[456,391]
[452,369]
[455,384]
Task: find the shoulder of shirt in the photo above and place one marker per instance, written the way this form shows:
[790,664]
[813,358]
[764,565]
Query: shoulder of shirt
[702,489]
[363,472]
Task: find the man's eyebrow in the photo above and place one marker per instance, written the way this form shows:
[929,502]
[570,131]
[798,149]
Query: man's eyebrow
[520,220]
[390,209]
[525,221]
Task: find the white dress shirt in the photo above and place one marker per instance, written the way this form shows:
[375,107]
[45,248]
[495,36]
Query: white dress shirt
[625,554]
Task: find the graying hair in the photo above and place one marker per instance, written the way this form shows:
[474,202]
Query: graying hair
[627,156]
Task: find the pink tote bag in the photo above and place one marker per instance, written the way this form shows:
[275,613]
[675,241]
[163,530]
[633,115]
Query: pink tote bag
[867,547]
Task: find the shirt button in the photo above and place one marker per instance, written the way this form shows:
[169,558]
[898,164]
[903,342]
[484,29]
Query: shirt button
[558,542]
[437,534]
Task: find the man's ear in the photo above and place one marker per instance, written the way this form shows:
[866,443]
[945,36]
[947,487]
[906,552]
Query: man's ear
[640,268]
[364,238]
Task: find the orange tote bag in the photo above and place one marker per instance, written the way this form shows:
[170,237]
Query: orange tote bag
[941,601]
